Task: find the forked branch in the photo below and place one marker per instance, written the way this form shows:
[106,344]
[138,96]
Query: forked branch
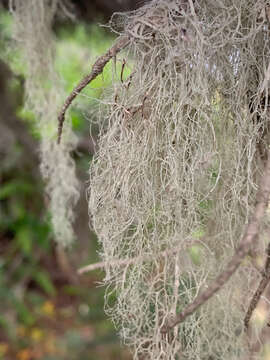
[249,237]
[97,69]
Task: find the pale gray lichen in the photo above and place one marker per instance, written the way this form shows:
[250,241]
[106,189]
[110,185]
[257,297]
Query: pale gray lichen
[177,166]
[44,96]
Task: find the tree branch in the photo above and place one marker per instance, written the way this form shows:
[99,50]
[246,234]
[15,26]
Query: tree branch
[243,249]
[97,69]
[263,283]
[124,262]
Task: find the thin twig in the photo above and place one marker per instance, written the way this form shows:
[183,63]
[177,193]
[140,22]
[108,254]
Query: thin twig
[122,70]
[263,283]
[124,262]
[250,235]
[97,69]
[266,79]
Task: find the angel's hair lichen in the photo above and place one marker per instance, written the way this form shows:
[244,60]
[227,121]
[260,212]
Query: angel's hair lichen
[43,96]
[178,155]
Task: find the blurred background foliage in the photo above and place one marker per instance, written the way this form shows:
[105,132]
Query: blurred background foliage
[47,311]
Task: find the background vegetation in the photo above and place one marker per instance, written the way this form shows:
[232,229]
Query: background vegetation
[47,312]
[159,185]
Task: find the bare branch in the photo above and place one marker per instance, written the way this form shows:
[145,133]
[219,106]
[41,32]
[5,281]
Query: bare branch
[243,249]
[97,69]
[124,262]
[263,283]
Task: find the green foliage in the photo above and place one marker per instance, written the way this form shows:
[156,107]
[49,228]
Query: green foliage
[15,187]
[24,233]
[195,253]
[30,296]
[10,54]
[77,49]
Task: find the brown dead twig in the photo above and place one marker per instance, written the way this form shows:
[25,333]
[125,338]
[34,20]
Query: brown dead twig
[249,237]
[97,69]
[263,283]
[122,70]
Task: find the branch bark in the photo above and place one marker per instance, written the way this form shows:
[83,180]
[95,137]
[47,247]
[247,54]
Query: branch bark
[249,236]
[126,262]
[97,69]
[262,286]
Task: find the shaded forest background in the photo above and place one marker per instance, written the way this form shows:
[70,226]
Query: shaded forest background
[48,312]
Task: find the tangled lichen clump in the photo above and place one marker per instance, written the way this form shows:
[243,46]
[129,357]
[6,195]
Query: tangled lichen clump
[174,179]
[43,95]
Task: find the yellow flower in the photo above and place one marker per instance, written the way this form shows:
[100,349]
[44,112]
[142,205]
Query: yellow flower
[36,334]
[48,308]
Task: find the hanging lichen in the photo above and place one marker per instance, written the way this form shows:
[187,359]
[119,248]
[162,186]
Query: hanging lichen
[43,96]
[173,182]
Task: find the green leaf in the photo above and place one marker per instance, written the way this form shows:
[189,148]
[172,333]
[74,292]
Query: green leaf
[195,253]
[15,187]
[76,120]
[43,280]
[23,313]
[24,239]
[198,233]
